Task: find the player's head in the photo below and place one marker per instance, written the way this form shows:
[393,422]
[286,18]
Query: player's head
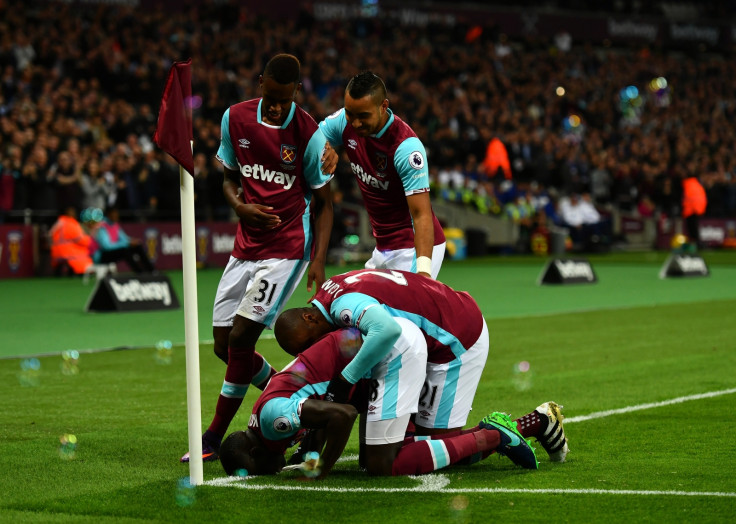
[366,103]
[279,83]
[242,450]
[297,329]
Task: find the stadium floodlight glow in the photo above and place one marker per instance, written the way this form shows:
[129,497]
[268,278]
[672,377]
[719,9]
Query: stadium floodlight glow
[560,91]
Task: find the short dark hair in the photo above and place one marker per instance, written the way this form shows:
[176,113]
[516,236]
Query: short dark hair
[284,69]
[367,83]
[232,454]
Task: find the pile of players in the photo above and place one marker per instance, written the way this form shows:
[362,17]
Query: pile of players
[388,342]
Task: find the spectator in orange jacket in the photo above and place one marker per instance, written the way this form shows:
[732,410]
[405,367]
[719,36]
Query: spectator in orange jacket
[497,158]
[70,244]
[694,202]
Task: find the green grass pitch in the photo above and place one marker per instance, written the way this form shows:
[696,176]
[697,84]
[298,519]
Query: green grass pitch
[646,370]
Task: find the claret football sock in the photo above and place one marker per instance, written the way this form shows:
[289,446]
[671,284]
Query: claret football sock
[426,454]
[531,425]
[234,387]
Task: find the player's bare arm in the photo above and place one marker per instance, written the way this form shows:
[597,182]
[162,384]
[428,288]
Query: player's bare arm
[337,422]
[255,215]
[420,208]
[322,230]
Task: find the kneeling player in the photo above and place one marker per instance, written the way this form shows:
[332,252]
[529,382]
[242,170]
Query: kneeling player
[452,325]
[293,403]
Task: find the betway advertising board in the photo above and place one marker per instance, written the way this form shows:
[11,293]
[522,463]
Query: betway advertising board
[142,292]
[567,271]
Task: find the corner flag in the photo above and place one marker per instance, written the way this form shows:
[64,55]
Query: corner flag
[174,129]
[174,135]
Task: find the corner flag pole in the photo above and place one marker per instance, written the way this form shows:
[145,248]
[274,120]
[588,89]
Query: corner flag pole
[174,135]
[191,327]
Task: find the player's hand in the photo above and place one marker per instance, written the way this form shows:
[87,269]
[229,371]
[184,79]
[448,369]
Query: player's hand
[338,390]
[329,159]
[316,275]
[424,274]
[257,215]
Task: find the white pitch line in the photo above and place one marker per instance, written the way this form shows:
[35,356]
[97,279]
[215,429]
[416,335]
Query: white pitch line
[629,409]
[435,483]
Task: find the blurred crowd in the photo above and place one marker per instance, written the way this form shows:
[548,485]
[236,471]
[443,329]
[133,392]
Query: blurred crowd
[511,126]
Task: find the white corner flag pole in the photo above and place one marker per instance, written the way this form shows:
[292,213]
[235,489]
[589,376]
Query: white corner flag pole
[191,328]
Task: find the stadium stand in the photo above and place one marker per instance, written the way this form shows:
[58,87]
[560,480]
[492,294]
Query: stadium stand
[624,121]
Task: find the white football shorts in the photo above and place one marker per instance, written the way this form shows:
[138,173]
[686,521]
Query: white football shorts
[396,382]
[256,289]
[449,389]
[405,259]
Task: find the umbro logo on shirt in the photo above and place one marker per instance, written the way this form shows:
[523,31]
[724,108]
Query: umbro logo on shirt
[352,144]
[244,143]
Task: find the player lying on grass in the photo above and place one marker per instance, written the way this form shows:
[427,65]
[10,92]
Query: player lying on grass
[293,402]
[452,325]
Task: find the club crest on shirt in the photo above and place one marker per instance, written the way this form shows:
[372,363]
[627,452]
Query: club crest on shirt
[416,160]
[381,162]
[288,153]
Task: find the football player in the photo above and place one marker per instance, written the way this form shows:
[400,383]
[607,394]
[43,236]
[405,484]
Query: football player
[450,321]
[391,170]
[296,400]
[271,151]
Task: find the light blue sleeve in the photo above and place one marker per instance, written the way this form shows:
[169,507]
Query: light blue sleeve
[123,238]
[313,161]
[333,126]
[410,160]
[285,409]
[106,243]
[226,153]
[103,239]
[380,331]
[345,310]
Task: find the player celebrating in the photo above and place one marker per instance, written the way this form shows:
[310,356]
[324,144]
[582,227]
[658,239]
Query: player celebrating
[457,344]
[294,401]
[271,151]
[390,166]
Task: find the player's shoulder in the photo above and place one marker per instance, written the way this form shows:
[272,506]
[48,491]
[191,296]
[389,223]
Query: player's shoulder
[302,115]
[244,111]
[334,123]
[245,105]
[401,130]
